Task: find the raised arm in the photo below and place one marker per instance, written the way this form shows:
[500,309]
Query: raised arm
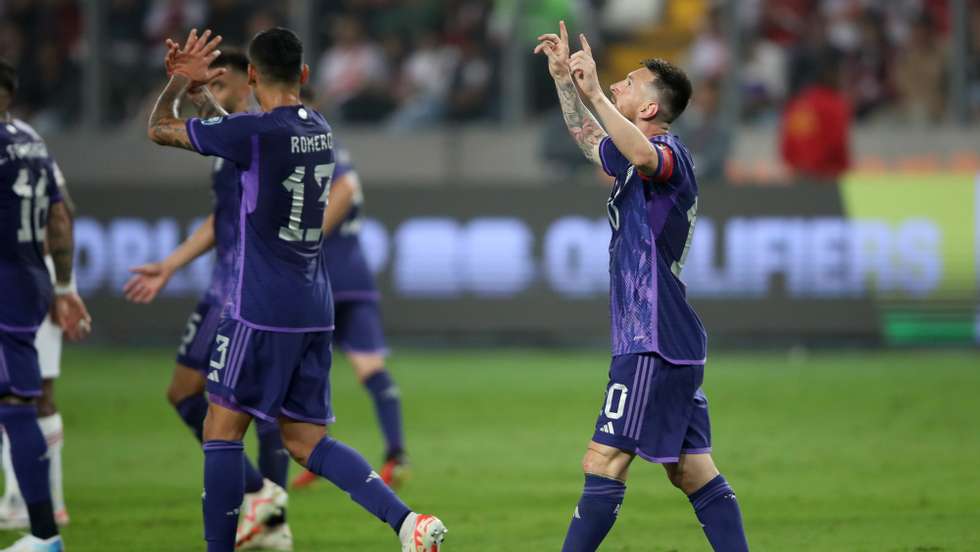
[202,98]
[629,139]
[582,125]
[190,69]
[150,278]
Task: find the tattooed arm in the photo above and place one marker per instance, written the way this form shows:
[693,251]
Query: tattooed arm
[68,309]
[61,241]
[166,127]
[583,126]
[190,70]
[207,105]
[585,129]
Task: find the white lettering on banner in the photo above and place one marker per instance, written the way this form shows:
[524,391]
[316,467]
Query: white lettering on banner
[498,257]
[816,258]
[576,256]
[427,251]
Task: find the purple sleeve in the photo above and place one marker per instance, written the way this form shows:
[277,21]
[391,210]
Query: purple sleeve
[344,162]
[227,137]
[613,162]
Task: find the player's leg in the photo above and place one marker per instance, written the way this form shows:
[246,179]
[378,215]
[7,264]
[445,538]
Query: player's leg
[614,444]
[606,469]
[186,390]
[710,494]
[305,412]
[361,335]
[20,385]
[224,489]
[186,394]
[52,427]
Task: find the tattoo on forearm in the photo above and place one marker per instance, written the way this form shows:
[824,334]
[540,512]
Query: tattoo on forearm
[165,127]
[209,106]
[61,242]
[582,125]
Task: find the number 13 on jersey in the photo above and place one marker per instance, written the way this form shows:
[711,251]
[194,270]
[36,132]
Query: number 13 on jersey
[295,185]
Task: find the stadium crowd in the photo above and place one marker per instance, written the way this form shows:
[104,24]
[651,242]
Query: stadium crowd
[412,63]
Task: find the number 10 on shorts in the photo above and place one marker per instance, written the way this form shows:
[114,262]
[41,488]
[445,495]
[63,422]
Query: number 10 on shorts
[616,401]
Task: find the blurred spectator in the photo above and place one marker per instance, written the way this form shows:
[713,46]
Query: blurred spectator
[351,76]
[470,88]
[869,67]
[173,18]
[920,75]
[703,129]
[763,77]
[815,134]
[709,56]
[805,55]
[425,80]
[229,18]
[124,57]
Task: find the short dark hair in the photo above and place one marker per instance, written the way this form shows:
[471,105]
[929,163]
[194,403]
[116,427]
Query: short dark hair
[672,84]
[277,53]
[8,77]
[231,58]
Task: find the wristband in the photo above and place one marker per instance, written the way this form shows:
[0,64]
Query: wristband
[66,289]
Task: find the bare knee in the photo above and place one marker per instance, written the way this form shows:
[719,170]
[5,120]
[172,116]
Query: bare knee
[300,439]
[692,472]
[606,461]
[366,365]
[186,382]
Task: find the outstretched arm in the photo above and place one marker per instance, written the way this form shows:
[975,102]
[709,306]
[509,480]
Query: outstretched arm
[582,125]
[629,139]
[149,279]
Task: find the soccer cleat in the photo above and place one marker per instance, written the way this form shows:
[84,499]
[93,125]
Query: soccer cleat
[396,470]
[258,508]
[304,480]
[422,533]
[278,538]
[30,543]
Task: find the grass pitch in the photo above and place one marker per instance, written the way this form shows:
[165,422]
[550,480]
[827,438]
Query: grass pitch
[833,452]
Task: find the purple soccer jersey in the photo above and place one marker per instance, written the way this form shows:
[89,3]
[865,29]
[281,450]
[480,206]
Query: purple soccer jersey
[652,223]
[29,185]
[286,160]
[225,200]
[350,277]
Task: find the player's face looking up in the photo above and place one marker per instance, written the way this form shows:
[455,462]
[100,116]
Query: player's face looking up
[636,96]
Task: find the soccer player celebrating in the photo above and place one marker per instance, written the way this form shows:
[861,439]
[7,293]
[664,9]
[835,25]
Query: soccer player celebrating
[271,357]
[32,214]
[653,406]
[262,522]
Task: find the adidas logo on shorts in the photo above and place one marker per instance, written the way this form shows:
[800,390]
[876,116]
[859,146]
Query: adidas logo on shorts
[608,428]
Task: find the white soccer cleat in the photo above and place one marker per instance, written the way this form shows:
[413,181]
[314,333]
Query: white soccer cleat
[30,543]
[422,533]
[258,508]
[278,538]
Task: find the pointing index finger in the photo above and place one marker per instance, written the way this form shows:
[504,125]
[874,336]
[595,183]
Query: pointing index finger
[585,44]
[563,32]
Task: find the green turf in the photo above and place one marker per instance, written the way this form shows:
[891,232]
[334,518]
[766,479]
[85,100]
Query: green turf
[833,452]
